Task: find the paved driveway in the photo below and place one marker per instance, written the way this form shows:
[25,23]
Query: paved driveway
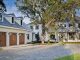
[38,52]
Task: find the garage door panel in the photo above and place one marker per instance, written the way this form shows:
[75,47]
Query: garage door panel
[21,38]
[13,39]
[2,39]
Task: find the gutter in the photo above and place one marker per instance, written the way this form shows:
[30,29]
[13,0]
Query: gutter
[11,27]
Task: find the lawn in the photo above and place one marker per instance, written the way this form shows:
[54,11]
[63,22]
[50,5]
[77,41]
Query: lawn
[70,57]
[0,49]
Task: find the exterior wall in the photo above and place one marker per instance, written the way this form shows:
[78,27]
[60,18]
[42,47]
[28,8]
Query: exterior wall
[57,34]
[34,31]
[9,19]
[18,21]
[13,30]
[70,40]
[30,37]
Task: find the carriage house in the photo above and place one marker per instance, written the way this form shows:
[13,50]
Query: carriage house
[11,30]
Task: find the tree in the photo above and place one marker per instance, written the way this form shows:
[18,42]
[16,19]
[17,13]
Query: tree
[3,5]
[49,11]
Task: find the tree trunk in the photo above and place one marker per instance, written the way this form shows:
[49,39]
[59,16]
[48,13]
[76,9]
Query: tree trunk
[43,33]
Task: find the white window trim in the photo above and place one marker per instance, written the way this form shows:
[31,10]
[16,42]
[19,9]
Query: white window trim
[2,18]
[13,22]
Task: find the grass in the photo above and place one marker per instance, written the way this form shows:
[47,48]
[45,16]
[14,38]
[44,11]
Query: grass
[0,49]
[70,57]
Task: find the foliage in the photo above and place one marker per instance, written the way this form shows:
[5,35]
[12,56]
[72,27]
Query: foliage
[48,12]
[3,5]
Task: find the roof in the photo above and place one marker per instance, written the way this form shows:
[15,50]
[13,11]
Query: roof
[26,26]
[8,24]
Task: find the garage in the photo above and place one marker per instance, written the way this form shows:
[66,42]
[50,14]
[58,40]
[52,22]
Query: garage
[21,38]
[13,38]
[2,39]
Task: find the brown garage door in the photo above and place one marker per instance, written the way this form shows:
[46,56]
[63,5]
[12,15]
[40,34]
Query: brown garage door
[2,39]
[13,39]
[21,38]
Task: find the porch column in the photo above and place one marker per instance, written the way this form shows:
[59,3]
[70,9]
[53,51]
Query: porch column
[46,37]
[76,37]
[25,39]
[17,38]
[7,39]
[68,36]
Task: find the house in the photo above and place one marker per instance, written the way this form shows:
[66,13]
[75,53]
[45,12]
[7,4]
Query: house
[11,30]
[67,31]
[33,31]
[70,31]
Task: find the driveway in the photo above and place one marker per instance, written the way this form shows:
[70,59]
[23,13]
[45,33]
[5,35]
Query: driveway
[38,52]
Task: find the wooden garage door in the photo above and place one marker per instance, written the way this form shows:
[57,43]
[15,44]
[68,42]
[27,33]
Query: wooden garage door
[21,38]
[13,39]
[2,39]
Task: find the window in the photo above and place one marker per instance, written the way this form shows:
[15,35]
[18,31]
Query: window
[52,36]
[0,17]
[64,25]
[72,36]
[21,22]
[79,25]
[37,27]
[70,25]
[31,27]
[12,19]
[28,36]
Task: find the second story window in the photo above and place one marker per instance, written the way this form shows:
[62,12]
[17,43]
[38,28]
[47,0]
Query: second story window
[12,19]
[70,25]
[37,26]
[21,22]
[0,17]
[79,25]
[31,27]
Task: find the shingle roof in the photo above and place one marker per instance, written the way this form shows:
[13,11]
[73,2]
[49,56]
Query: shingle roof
[8,24]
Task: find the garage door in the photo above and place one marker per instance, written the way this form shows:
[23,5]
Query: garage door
[21,38]
[13,39]
[2,39]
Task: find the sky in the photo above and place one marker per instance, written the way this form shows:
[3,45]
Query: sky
[11,8]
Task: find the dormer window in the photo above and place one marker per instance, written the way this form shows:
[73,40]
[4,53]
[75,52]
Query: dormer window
[0,17]
[21,22]
[79,25]
[31,27]
[12,19]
